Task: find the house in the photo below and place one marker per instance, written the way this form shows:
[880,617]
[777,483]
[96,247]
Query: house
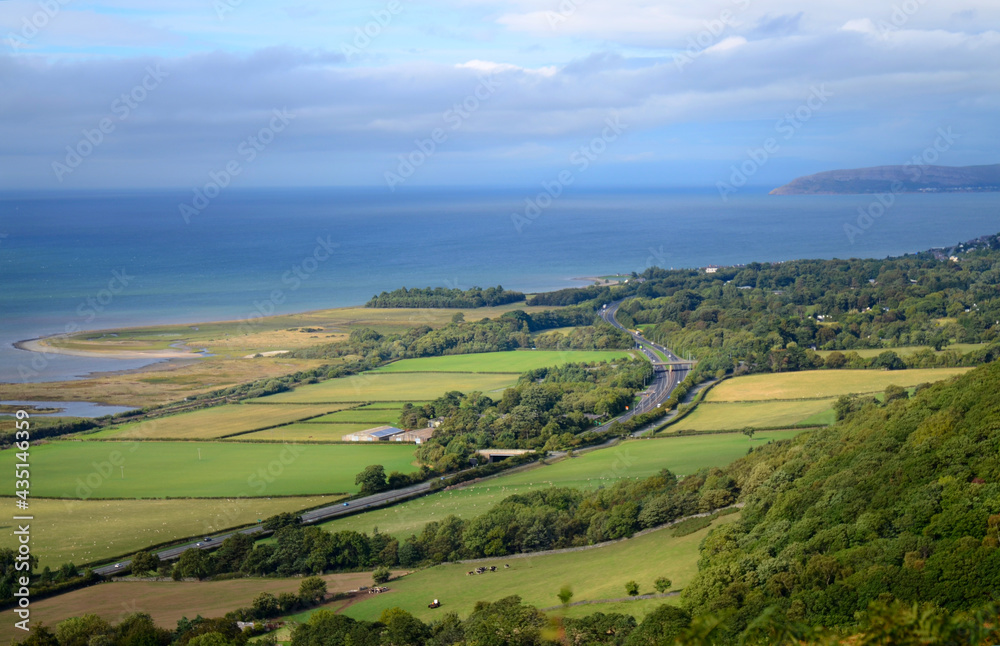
[711,269]
[434,423]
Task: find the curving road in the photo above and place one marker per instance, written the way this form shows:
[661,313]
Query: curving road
[667,375]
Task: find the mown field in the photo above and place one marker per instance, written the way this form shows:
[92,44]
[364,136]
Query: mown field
[84,531]
[173,469]
[389,387]
[211,423]
[515,362]
[593,574]
[715,416]
[330,432]
[822,383]
[633,459]
[371,416]
[167,601]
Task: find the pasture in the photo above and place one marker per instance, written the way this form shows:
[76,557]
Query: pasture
[817,384]
[167,601]
[598,573]
[633,459]
[519,361]
[204,469]
[329,432]
[389,387]
[85,531]
[215,422]
[370,416]
[732,416]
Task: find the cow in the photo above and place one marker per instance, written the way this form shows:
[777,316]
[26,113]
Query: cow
[493,568]
[506,566]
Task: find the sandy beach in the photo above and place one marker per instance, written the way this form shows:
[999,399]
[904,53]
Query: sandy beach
[42,345]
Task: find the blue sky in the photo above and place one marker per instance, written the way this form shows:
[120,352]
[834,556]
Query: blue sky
[402,93]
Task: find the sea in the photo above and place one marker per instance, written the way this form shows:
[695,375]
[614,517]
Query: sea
[105,259]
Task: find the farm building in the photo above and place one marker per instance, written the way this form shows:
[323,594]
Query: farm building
[390,434]
[377,434]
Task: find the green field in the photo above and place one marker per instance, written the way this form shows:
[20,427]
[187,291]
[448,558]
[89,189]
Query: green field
[716,416]
[84,531]
[388,387]
[370,416]
[514,362]
[173,469]
[594,574]
[211,423]
[817,384]
[329,432]
[633,459]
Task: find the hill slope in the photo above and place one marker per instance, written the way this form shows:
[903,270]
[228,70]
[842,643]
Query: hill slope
[896,501]
[896,179]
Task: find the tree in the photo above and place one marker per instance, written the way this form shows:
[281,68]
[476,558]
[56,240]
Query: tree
[565,594]
[662,584]
[372,479]
[265,605]
[312,589]
[194,563]
[381,575]
[632,588]
[748,431]
[77,631]
[894,392]
[144,563]
[661,626]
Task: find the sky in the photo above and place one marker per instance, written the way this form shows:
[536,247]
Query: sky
[402,94]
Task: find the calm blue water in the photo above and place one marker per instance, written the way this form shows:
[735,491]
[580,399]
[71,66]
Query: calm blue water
[58,252]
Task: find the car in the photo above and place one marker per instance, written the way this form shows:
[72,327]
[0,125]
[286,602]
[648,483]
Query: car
[119,565]
[208,540]
[198,544]
[345,504]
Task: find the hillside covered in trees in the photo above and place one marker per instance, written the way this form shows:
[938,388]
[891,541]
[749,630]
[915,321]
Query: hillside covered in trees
[896,502]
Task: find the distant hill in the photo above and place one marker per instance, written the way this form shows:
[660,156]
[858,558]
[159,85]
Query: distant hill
[896,179]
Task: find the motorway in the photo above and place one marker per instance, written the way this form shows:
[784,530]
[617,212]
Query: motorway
[666,377]
[309,517]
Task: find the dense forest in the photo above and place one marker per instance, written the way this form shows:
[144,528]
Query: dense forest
[897,501]
[771,317]
[443,297]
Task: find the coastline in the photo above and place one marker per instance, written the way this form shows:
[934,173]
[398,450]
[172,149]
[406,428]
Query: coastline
[41,345]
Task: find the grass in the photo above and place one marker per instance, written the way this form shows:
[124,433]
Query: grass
[822,383]
[595,574]
[372,416]
[226,469]
[85,531]
[376,386]
[514,362]
[167,601]
[633,459]
[310,433]
[211,423]
[713,416]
